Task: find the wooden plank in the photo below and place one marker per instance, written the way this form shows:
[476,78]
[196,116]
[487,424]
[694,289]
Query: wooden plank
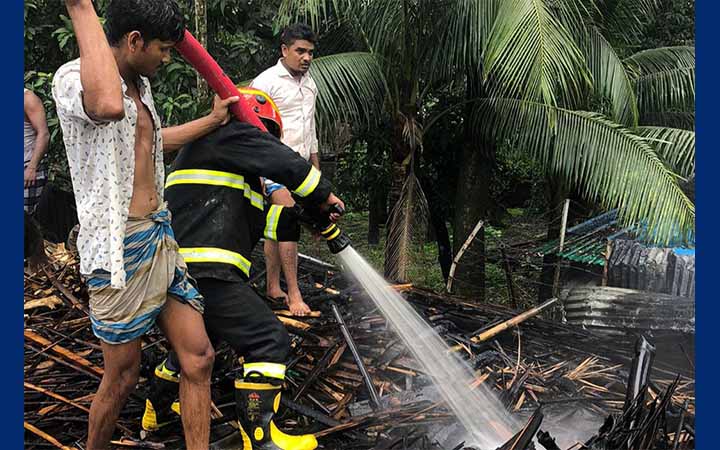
[48,302]
[56,396]
[62,351]
[38,432]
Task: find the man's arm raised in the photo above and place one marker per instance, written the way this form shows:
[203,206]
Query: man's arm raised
[99,75]
[179,135]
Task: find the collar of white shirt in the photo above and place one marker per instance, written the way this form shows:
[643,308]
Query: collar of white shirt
[283,71]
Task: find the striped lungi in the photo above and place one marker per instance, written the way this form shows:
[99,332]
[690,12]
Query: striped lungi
[154,269]
[32,193]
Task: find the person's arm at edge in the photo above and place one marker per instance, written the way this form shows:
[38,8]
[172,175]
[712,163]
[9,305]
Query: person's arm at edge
[315,160]
[99,75]
[36,114]
[175,137]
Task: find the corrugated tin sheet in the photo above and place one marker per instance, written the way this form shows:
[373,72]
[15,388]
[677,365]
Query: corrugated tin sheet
[634,265]
[586,242]
[617,311]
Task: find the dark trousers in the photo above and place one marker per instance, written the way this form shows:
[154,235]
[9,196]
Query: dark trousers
[234,313]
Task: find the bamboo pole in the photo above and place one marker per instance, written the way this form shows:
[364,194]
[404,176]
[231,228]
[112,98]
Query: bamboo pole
[56,396]
[608,253]
[62,351]
[466,244]
[37,431]
[499,328]
[563,228]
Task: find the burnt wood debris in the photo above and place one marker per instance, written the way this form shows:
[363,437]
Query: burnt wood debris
[569,387]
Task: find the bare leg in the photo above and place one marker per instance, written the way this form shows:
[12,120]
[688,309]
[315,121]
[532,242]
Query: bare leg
[184,328]
[287,254]
[289,263]
[122,367]
[272,265]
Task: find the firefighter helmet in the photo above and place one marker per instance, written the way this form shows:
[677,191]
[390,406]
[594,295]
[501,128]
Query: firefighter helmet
[264,107]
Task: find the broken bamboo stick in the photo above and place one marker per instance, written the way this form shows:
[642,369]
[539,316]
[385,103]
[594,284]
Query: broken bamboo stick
[35,430]
[62,351]
[497,329]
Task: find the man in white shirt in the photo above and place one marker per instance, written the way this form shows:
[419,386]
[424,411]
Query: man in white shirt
[128,254]
[294,92]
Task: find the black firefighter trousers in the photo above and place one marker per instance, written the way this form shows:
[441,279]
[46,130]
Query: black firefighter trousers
[236,314]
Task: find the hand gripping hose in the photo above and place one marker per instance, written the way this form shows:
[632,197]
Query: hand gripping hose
[206,66]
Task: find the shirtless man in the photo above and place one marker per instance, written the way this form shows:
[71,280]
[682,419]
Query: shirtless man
[128,253]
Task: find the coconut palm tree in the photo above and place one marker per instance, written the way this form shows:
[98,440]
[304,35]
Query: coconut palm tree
[539,74]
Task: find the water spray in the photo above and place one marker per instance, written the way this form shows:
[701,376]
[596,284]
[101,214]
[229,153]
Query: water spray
[478,409]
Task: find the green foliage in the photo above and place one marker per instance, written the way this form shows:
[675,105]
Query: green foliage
[517,181]
[614,167]
[241,39]
[673,24]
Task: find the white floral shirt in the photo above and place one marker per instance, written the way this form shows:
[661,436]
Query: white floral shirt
[101,156]
[296,102]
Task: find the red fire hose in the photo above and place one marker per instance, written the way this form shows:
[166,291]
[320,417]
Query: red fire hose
[206,66]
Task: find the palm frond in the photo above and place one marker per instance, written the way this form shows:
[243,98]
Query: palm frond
[611,81]
[603,160]
[532,56]
[626,20]
[576,15]
[676,119]
[312,12]
[674,146]
[465,26]
[407,224]
[351,88]
[664,79]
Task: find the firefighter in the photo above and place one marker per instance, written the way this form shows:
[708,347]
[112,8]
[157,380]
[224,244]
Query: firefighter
[214,192]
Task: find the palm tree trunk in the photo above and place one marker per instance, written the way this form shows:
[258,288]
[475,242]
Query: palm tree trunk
[438,231]
[472,201]
[555,195]
[398,174]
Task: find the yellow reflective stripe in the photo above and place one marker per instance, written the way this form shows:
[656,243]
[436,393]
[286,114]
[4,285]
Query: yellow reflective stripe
[203,176]
[240,384]
[218,255]
[255,198]
[271,224]
[311,181]
[164,373]
[273,370]
[215,178]
[328,230]
[334,235]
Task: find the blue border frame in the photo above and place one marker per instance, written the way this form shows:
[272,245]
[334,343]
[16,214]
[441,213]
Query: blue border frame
[708,304]
[707,307]
[11,267]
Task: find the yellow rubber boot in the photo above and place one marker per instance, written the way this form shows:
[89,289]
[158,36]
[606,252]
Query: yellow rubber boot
[257,404]
[162,399]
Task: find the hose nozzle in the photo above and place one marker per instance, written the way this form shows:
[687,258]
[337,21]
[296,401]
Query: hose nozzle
[336,239]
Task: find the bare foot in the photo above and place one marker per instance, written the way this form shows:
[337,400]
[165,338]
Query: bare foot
[296,305]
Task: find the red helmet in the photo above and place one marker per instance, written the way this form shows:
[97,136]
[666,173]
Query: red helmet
[264,107]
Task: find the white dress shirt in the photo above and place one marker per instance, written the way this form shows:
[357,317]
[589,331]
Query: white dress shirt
[101,156]
[296,102]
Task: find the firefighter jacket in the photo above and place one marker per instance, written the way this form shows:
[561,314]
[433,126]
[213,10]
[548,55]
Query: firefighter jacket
[214,193]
